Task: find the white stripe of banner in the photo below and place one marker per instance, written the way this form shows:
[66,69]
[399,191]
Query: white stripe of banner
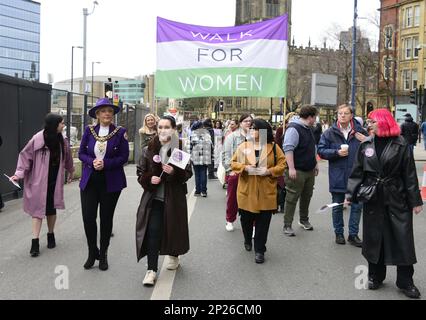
[178,55]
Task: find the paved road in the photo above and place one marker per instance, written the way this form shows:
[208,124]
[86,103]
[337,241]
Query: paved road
[308,266]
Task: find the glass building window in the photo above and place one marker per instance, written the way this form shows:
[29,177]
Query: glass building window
[416,16]
[18,13]
[414,78]
[272,8]
[416,47]
[408,47]
[388,37]
[409,17]
[20,38]
[24,5]
[406,79]
[387,64]
[238,103]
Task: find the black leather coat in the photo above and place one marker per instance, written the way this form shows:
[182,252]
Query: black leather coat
[389,218]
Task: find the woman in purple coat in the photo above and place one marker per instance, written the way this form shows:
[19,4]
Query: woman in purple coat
[42,164]
[104,150]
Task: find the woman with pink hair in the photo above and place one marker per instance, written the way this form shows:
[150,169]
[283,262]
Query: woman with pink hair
[384,179]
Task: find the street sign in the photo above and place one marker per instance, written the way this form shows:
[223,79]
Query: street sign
[324,90]
[402,109]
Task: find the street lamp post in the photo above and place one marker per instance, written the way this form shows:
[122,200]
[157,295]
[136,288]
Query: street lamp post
[70,100]
[93,63]
[354,57]
[72,65]
[85,14]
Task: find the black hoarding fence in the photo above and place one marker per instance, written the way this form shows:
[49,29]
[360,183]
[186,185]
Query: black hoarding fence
[68,103]
[73,104]
[127,119]
[24,105]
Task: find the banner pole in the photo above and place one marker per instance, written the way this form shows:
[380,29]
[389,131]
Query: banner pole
[284,111]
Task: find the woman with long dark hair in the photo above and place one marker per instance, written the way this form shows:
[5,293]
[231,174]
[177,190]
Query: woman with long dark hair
[162,218]
[258,163]
[384,179]
[42,164]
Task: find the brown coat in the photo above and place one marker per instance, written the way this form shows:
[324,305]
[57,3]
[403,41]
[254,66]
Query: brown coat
[175,238]
[257,193]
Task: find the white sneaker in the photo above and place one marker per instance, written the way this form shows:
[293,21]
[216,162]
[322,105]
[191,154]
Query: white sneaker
[229,227]
[173,263]
[150,278]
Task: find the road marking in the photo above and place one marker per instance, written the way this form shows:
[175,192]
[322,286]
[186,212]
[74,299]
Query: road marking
[164,284]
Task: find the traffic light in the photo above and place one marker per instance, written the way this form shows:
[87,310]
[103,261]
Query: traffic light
[221,106]
[108,89]
[424,97]
[414,96]
[370,107]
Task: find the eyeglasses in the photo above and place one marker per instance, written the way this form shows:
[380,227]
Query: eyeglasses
[344,113]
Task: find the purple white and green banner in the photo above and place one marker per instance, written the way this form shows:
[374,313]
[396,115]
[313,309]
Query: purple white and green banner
[243,61]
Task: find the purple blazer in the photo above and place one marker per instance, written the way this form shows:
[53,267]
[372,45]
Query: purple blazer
[117,155]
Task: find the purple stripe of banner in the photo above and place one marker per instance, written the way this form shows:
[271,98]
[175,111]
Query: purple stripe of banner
[274,29]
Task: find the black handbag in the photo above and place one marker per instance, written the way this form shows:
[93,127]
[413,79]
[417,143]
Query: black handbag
[367,193]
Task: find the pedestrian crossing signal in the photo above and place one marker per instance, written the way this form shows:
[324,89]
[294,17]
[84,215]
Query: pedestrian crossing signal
[414,96]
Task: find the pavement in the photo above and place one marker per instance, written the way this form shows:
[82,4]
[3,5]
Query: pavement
[306,267]
[419,152]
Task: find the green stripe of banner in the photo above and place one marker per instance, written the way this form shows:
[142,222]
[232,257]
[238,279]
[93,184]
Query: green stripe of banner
[222,82]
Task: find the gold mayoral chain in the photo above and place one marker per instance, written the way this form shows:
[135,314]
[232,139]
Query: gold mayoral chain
[102,140]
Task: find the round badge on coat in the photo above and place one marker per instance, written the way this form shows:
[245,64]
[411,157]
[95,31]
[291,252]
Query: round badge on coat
[157,158]
[369,152]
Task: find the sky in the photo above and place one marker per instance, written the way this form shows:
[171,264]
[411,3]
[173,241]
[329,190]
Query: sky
[121,34]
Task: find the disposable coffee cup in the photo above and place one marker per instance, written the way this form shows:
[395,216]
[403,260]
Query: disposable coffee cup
[344,147]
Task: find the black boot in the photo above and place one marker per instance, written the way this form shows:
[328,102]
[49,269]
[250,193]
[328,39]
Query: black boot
[35,248]
[51,243]
[103,260]
[93,255]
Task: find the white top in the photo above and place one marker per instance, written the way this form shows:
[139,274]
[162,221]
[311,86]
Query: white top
[99,150]
[346,131]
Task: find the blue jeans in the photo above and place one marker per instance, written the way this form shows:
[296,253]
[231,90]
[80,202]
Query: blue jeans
[354,217]
[200,178]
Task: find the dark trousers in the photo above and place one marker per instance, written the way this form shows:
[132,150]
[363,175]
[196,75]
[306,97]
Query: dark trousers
[262,221]
[404,274]
[154,234]
[93,196]
[200,178]
[1,202]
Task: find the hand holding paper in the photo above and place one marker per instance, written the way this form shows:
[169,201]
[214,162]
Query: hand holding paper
[178,158]
[324,208]
[13,180]
[168,169]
